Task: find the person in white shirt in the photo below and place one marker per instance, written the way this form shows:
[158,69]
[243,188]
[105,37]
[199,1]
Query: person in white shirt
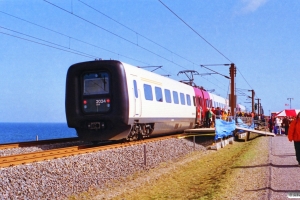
[278,122]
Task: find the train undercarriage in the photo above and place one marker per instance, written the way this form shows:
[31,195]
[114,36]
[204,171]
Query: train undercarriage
[140,131]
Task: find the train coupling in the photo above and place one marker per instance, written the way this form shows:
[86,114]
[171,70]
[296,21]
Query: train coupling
[96,125]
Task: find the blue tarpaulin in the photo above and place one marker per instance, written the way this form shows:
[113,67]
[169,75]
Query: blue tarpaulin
[224,128]
[240,123]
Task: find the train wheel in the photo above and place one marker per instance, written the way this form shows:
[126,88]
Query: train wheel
[140,136]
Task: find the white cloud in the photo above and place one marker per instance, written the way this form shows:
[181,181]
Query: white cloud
[252,5]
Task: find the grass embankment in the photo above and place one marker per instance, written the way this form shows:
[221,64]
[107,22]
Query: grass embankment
[208,176]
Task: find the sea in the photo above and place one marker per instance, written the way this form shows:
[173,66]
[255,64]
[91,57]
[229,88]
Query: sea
[24,132]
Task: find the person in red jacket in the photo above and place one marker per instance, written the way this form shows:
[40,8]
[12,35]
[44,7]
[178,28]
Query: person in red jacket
[294,135]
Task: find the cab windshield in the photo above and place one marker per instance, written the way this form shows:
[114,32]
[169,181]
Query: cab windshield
[95,83]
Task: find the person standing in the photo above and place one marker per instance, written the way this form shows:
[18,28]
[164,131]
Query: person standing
[278,125]
[270,124]
[218,113]
[286,125]
[294,135]
[208,116]
[224,115]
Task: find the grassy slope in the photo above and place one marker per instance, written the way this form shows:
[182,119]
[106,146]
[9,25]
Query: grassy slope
[204,178]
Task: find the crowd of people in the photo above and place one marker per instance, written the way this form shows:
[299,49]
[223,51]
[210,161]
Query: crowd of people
[218,113]
[212,114]
[280,125]
[289,126]
[277,125]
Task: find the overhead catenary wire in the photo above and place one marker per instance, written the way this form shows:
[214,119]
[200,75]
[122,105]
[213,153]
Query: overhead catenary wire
[73,38]
[65,35]
[116,35]
[203,38]
[70,37]
[61,46]
[138,34]
[195,32]
[76,39]
[85,55]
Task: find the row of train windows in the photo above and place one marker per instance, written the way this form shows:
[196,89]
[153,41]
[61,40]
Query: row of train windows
[159,96]
[184,99]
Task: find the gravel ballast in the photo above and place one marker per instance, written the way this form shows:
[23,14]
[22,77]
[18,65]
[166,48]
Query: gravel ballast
[60,178]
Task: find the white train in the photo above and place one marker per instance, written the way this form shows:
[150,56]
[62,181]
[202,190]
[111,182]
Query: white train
[112,100]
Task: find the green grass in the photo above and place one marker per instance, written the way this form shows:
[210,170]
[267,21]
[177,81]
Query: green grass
[203,178]
[200,179]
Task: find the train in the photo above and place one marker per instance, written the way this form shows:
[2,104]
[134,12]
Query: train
[113,100]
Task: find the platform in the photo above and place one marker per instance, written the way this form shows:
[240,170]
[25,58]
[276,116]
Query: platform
[255,131]
[200,130]
[212,130]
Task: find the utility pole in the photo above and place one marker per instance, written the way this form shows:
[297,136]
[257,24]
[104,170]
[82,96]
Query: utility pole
[252,98]
[290,102]
[258,106]
[232,72]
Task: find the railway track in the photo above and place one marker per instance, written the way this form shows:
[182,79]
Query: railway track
[35,143]
[19,159]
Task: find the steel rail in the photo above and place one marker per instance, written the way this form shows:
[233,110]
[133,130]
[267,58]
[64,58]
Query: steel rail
[35,143]
[20,159]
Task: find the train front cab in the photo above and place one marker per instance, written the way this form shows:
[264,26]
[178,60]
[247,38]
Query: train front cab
[97,100]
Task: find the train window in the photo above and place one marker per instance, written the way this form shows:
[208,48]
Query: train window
[188,100]
[182,99]
[195,100]
[135,89]
[175,97]
[168,96]
[148,92]
[158,94]
[95,83]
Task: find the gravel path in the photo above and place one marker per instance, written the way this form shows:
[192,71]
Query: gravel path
[285,173]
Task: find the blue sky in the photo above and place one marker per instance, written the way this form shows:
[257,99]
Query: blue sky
[36,37]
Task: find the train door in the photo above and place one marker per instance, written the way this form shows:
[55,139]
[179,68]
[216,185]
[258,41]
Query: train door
[137,99]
